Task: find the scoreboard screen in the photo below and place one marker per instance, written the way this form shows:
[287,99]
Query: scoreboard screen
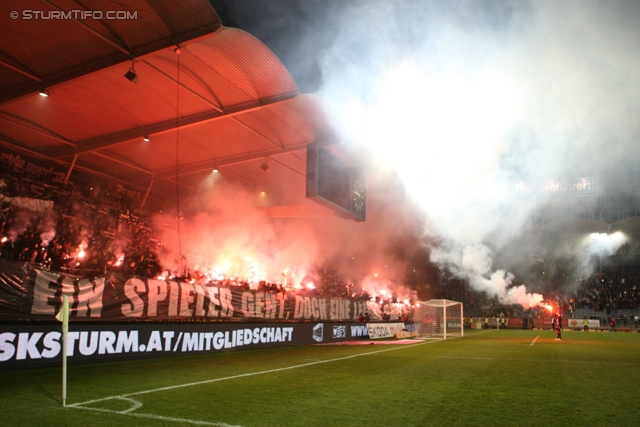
[334,178]
[331,182]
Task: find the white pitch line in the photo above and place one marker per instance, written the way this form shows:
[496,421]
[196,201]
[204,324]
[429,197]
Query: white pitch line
[159,417]
[135,406]
[534,360]
[80,405]
[250,374]
[534,341]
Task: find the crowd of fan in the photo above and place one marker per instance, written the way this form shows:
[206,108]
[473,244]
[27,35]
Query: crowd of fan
[609,290]
[94,230]
[88,231]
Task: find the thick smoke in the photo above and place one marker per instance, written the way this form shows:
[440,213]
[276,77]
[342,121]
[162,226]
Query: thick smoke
[597,246]
[224,234]
[23,220]
[47,226]
[465,99]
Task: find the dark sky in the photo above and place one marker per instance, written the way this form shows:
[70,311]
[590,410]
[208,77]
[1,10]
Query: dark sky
[296,31]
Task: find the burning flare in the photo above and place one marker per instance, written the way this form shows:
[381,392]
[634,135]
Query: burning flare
[548,307]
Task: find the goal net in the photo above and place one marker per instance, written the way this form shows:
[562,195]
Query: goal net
[438,318]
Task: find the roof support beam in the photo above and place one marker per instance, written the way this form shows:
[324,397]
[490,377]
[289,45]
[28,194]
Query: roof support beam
[78,72]
[224,161]
[9,142]
[93,144]
[144,199]
[122,162]
[33,127]
[21,71]
[92,31]
[73,163]
[246,126]
[187,88]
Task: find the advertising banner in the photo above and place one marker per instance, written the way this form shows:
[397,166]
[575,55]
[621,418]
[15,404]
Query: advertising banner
[40,344]
[579,323]
[384,330]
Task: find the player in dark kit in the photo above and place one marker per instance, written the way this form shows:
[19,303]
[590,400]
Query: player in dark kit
[558,326]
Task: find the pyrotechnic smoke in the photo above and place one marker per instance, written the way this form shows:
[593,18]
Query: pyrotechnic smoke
[465,100]
[23,220]
[224,234]
[474,262]
[599,245]
[47,226]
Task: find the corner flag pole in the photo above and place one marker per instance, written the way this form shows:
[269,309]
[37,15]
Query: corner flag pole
[63,316]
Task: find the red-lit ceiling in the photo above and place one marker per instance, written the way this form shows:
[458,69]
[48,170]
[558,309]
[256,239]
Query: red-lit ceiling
[224,101]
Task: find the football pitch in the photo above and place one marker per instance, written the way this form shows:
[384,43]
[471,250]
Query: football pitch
[487,378]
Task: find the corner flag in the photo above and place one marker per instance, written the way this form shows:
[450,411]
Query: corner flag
[63,316]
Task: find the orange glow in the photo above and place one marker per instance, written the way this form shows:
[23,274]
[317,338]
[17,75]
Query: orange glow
[81,254]
[548,307]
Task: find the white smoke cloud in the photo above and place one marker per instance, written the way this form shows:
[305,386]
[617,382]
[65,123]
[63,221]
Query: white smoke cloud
[600,245]
[47,226]
[464,100]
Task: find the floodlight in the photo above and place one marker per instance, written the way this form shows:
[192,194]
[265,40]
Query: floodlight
[131,75]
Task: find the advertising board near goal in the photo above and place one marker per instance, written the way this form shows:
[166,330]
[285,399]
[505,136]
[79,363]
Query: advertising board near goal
[384,330]
[579,323]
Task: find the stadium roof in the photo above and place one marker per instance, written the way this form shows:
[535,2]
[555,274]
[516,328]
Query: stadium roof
[205,96]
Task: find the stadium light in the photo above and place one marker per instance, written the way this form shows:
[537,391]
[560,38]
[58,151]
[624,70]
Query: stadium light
[131,74]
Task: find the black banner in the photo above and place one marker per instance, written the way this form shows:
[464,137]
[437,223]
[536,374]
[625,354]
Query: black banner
[31,294]
[39,345]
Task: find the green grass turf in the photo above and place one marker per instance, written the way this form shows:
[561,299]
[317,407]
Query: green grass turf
[487,378]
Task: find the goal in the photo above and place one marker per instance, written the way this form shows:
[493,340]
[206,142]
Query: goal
[438,318]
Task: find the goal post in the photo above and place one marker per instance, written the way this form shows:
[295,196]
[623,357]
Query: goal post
[439,318]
